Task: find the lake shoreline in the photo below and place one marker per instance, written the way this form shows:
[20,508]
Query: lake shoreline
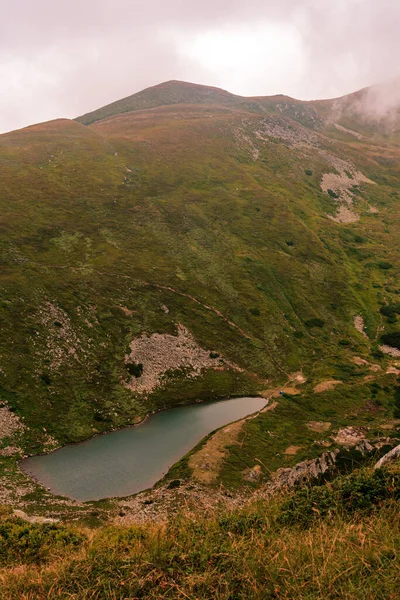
[171,451]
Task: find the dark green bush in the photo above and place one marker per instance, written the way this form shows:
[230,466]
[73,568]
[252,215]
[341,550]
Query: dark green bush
[255,312]
[298,334]
[333,194]
[175,483]
[315,323]
[392,339]
[240,524]
[45,378]
[134,369]
[308,172]
[214,355]
[385,265]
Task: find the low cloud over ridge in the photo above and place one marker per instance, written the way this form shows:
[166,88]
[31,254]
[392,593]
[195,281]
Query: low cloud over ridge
[64,59]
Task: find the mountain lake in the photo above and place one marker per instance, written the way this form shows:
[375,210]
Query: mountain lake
[133,459]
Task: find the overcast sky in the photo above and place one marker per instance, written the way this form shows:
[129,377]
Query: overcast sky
[62,58]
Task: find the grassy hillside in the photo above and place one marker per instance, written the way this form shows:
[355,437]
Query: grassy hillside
[211,214]
[324,542]
[170,92]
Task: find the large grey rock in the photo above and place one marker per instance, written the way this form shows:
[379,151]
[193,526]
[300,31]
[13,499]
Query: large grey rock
[308,470]
[305,471]
[390,457]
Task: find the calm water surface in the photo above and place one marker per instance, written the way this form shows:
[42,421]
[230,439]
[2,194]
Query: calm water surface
[135,458]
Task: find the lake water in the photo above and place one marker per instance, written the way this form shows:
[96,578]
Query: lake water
[135,458]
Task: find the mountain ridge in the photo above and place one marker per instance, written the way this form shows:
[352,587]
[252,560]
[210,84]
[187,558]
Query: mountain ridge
[181,92]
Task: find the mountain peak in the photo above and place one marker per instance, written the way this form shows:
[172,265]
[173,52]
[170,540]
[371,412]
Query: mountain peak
[163,94]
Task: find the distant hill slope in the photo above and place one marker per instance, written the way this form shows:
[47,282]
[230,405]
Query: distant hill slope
[190,244]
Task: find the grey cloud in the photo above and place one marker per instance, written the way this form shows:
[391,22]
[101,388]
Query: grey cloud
[66,58]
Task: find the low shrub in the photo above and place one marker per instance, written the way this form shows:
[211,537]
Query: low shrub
[22,542]
[361,492]
[392,339]
[315,323]
[135,369]
[333,194]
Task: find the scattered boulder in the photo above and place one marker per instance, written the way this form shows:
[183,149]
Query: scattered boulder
[349,436]
[388,458]
[252,474]
[20,514]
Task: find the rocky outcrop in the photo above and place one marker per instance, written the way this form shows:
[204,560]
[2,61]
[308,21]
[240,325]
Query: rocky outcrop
[388,458]
[309,470]
[305,471]
[20,514]
[160,354]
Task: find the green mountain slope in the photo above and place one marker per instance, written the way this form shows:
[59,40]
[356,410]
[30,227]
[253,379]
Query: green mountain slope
[170,92]
[256,228]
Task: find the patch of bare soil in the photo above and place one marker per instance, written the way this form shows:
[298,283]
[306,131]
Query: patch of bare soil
[9,423]
[293,450]
[349,436]
[349,131]
[325,386]
[291,390]
[342,184]
[298,378]
[319,426]
[394,352]
[127,312]
[347,177]
[206,463]
[10,451]
[359,325]
[161,353]
[392,370]
[369,378]
[361,362]
[160,504]
[62,341]
[345,215]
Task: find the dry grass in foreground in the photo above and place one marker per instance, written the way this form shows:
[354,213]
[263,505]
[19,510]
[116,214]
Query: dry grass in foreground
[340,540]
